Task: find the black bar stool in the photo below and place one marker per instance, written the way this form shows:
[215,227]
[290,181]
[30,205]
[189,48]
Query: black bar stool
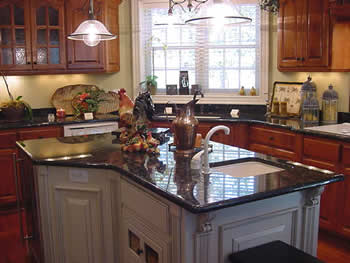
[273,252]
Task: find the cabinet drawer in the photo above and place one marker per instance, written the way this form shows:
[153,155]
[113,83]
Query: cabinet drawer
[7,139]
[145,206]
[276,138]
[40,133]
[321,153]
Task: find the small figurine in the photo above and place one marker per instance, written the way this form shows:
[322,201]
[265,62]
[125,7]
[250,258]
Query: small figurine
[252,91]
[242,91]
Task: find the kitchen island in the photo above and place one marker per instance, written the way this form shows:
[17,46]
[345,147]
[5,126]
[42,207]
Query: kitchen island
[95,203]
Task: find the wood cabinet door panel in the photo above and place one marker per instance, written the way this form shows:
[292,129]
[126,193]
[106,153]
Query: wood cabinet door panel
[39,133]
[289,33]
[260,148]
[346,159]
[48,34]
[8,139]
[328,209]
[316,49]
[81,56]
[322,150]
[15,42]
[344,208]
[7,185]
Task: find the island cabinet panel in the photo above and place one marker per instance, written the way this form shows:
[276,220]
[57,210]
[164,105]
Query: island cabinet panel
[322,153]
[276,142]
[40,133]
[79,210]
[303,35]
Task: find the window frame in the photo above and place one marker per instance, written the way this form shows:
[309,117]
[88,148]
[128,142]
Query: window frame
[223,98]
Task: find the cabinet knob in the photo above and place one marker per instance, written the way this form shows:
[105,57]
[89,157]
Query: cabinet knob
[298,59]
[69,62]
[271,138]
[28,63]
[139,251]
[302,59]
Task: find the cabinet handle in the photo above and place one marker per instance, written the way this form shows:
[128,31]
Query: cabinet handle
[298,59]
[302,59]
[18,201]
[35,62]
[139,251]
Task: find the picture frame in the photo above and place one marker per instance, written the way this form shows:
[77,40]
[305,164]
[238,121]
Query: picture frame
[171,89]
[184,87]
[289,92]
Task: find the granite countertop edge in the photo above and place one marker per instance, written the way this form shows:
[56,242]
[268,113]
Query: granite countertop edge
[42,122]
[274,125]
[196,209]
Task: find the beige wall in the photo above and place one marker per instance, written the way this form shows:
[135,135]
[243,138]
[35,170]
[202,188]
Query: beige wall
[340,80]
[37,90]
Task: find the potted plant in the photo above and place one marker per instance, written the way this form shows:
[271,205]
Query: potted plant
[15,109]
[87,101]
[151,83]
[270,5]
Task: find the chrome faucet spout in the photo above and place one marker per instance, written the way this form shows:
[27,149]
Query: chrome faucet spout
[206,169]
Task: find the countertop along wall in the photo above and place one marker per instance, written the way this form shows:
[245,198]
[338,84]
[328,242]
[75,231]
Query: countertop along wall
[37,90]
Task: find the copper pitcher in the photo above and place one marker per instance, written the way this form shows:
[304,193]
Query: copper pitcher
[185,127]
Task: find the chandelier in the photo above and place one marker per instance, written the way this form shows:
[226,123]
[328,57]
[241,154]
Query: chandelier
[213,13]
[91,31]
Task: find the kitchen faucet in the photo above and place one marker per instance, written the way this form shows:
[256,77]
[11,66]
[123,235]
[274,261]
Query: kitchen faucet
[204,161]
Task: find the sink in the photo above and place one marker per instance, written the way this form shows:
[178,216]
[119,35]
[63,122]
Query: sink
[171,117]
[246,169]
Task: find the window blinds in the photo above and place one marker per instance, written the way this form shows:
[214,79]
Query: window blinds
[220,60]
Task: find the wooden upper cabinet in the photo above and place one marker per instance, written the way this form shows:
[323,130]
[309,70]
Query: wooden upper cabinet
[303,35]
[33,37]
[81,56]
[15,51]
[48,34]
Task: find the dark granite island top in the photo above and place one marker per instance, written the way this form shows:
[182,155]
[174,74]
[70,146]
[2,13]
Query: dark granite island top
[170,175]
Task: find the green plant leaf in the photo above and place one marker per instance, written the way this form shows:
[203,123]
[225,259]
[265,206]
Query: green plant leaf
[18,98]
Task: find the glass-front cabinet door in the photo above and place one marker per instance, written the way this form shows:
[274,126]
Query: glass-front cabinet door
[15,53]
[48,35]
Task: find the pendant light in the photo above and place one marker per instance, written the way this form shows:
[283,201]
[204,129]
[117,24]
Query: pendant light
[218,13]
[91,31]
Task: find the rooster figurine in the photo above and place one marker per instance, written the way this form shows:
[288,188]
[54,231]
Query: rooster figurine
[134,120]
[126,107]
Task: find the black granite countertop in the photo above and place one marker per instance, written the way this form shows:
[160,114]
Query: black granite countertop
[292,124]
[170,175]
[40,121]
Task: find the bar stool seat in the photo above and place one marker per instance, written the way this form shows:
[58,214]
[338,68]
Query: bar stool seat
[273,252]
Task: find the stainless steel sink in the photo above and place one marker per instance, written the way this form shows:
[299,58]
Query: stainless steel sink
[246,169]
[171,117]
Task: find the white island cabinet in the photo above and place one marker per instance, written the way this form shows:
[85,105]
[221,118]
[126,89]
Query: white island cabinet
[98,215]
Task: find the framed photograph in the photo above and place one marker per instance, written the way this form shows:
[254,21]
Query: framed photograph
[171,89]
[289,92]
[184,86]
[194,88]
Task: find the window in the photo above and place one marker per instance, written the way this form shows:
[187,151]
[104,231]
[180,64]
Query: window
[219,61]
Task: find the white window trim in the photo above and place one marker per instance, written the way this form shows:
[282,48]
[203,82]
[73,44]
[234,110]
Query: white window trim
[138,62]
